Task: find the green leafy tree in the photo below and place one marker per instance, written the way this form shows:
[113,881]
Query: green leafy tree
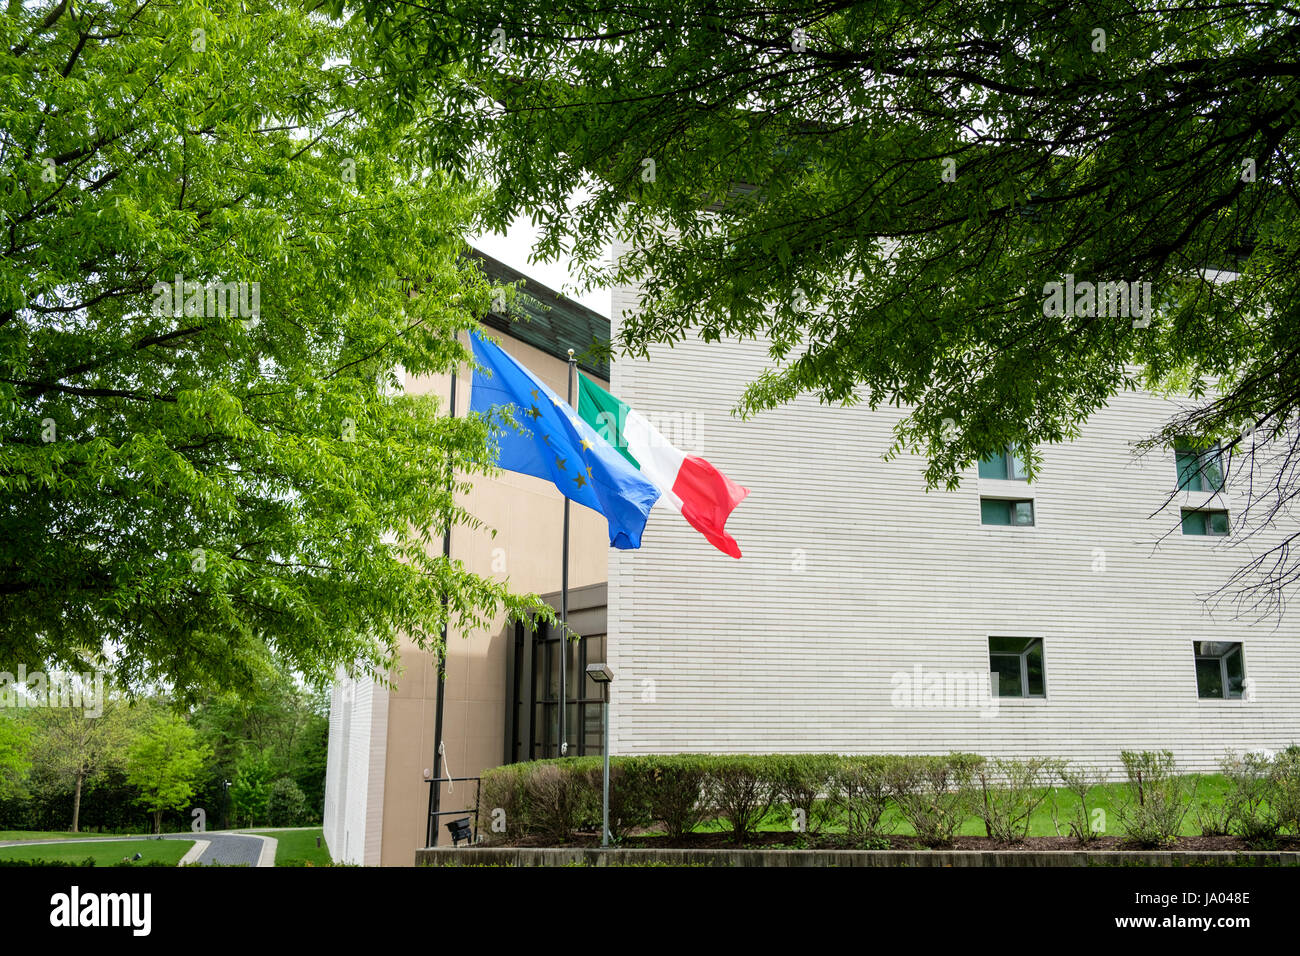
[200,479]
[286,804]
[250,793]
[71,750]
[15,754]
[164,762]
[884,192]
[276,716]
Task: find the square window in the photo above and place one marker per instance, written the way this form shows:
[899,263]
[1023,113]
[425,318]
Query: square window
[1214,523]
[994,467]
[1198,469]
[994,511]
[1002,511]
[1018,664]
[1220,669]
[1006,465]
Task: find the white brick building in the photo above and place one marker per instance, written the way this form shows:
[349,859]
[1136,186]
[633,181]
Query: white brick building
[853,576]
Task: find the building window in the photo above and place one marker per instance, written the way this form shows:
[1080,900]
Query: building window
[1005,511]
[1198,469]
[1017,666]
[1213,523]
[1004,466]
[584,699]
[1220,669]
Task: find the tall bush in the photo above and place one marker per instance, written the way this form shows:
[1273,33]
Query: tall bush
[557,800]
[742,790]
[1158,799]
[287,804]
[502,814]
[630,781]
[1085,823]
[1010,792]
[860,794]
[676,795]
[934,793]
[1249,811]
[805,783]
[1284,794]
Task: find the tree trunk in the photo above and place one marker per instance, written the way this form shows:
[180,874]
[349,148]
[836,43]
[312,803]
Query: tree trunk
[76,803]
[157,822]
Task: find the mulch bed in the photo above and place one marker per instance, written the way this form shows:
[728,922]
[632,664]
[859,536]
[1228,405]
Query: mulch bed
[802,841]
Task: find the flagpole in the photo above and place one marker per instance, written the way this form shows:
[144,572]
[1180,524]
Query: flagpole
[564,601]
[435,798]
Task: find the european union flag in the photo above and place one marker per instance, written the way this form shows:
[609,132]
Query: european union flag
[559,447]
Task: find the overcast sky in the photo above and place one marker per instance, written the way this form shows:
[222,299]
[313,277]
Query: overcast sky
[515,249]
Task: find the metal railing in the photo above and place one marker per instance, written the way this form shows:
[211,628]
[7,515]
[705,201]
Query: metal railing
[432,833]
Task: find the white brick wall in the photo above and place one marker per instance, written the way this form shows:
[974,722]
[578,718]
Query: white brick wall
[716,655]
[354,773]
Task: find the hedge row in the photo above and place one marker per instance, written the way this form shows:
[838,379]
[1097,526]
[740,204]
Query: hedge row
[549,801]
[88,861]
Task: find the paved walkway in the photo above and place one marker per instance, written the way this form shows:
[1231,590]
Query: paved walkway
[223,847]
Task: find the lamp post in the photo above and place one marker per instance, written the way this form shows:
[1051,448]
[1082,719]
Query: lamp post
[602,675]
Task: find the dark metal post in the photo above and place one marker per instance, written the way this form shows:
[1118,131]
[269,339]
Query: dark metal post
[564,601]
[604,806]
[435,789]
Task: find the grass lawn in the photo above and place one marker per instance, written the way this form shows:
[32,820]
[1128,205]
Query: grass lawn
[298,847]
[1109,797]
[104,854]
[7,835]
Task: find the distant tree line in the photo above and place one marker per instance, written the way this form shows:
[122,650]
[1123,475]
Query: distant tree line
[252,759]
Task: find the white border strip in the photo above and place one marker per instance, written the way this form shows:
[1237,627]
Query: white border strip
[193,853]
[267,856]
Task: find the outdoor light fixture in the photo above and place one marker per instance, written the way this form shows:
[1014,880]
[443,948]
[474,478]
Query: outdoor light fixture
[604,676]
[459,830]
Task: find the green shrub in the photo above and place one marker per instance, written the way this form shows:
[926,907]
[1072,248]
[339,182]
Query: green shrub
[934,793]
[1010,792]
[1080,782]
[804,782]
[860,795]
[1158,799]
[88,861]
[287,804]
[1213,811]
[630,780]
[1249,814]
[550,800]
[502,816]
[1284,793]
[676,795]
[741,789]
[557,800]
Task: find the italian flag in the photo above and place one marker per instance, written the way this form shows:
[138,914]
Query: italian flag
[704,496]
